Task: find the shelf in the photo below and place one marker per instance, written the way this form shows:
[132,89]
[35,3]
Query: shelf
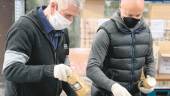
[163,77]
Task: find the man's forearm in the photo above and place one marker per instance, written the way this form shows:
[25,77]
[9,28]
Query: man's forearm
[99,78]
[27,73]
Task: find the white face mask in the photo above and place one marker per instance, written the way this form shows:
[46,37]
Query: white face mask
[59,22]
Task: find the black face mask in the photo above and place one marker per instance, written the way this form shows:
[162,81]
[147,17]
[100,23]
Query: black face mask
[130,22]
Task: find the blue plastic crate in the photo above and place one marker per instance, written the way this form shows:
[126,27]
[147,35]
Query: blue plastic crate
[160,92]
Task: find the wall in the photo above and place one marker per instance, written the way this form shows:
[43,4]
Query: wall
[93,9]
[6,18]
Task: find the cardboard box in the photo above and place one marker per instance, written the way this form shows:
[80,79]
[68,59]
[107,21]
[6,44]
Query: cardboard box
[78,59]
[164,62]
[164,46]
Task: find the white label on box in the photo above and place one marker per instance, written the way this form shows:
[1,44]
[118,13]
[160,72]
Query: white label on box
[164,65]
[157,28]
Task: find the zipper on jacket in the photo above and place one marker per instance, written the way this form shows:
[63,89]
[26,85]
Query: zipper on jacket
[51,46]
[55,56]
[133,56]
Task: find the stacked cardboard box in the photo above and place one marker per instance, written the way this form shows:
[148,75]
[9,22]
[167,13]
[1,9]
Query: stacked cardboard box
[88,30]
[164,57]
[167,30]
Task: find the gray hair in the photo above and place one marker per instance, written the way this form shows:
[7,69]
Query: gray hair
[63,4]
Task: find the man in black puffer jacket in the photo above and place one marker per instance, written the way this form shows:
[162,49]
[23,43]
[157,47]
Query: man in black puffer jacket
[37,51]
[121,50]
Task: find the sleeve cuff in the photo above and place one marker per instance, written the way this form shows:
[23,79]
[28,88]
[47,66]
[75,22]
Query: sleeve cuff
[49,70]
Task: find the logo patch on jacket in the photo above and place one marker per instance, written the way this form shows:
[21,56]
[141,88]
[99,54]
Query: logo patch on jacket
[65,46]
